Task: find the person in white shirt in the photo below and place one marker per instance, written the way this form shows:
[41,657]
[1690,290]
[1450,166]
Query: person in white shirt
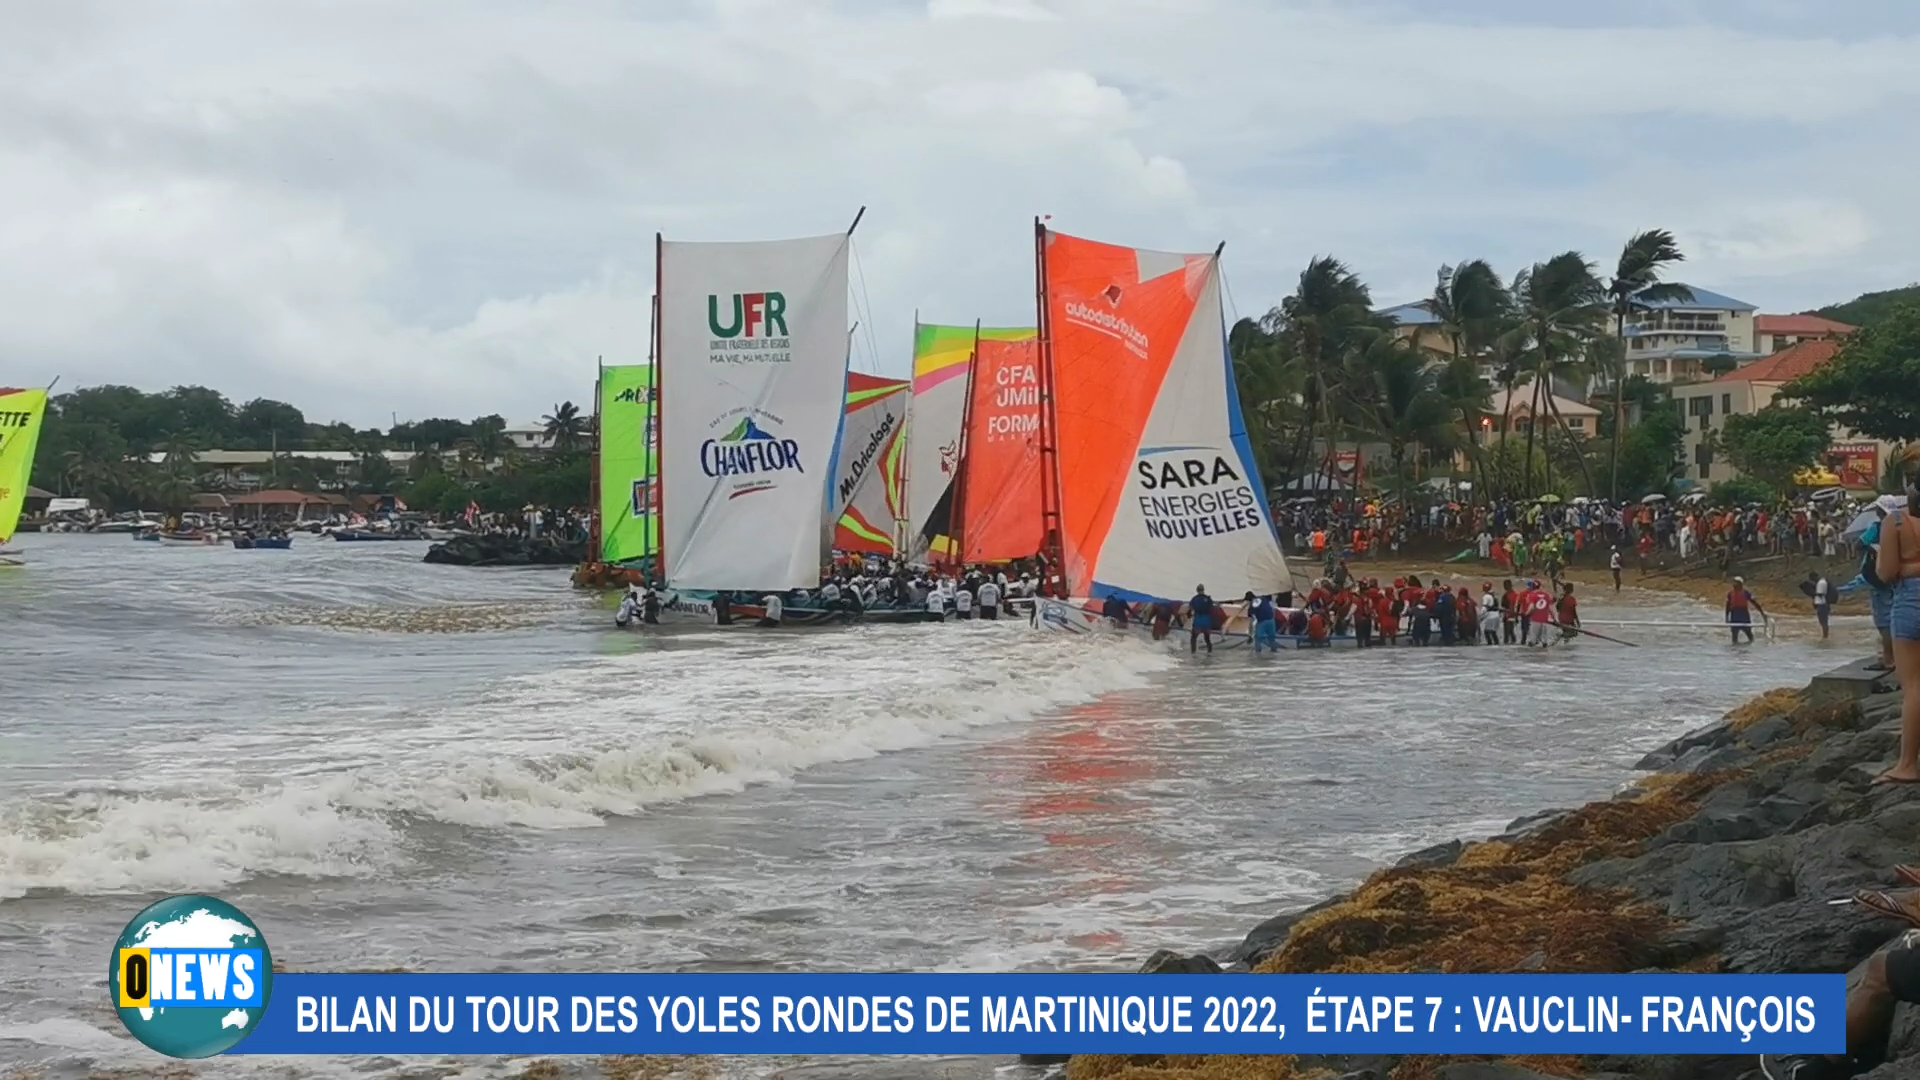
[775,606]
[963,603]
[1489,614]
[989,600]
[830,594]
[1822,593]
[1615,563]
[936,604]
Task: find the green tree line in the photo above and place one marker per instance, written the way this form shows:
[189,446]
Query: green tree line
[125,448]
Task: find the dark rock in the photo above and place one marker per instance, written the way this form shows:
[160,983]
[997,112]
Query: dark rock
[1710,759]
[1485,1070]
[1907,1068]
[1438,855]
[501,549]
[1168,962]
[1264,939]
[1522,827]
[1766,732]
[1045,1059]
[1903,1038]
[1717,733]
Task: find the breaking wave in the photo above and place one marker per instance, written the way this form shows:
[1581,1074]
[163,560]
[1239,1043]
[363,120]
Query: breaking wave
[563,749]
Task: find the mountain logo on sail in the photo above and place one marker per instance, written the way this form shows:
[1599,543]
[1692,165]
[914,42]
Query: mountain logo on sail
[1193,492]
[750,453]
[1109,323]
[633,395]
[641,503]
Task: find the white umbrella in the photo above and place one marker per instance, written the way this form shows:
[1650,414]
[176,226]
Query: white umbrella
[1654,498]
[1861,523]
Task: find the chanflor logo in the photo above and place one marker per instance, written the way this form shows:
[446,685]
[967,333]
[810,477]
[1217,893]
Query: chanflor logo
[749,452]
[190,976]
[760,314]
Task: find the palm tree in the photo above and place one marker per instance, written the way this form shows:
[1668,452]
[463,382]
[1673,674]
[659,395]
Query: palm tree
[1469,300]
[1330,320]
[180,451]
[1636,283]
[1560,305]
[1269,380]
[1404,405]
[564,427]
[1466,394]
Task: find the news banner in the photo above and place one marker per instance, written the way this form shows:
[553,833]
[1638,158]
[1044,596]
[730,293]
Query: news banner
[201,965]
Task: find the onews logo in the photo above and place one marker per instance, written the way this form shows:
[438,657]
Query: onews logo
[190,976]
[755,315]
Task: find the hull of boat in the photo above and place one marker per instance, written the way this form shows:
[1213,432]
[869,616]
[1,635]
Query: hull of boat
[1080,617]
[177,540]
[362,537]
[799,616]
[282,544]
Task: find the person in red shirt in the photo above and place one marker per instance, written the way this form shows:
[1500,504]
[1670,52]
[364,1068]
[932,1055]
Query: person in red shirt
[1317,627]
[1539,614]
[1509,611]
[1567,611]
[1386,616]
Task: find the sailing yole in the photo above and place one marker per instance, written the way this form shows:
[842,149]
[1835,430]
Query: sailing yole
[1158,487]
[857,467]
[942,359]
[749,422]
[868,511]
[21,412]
[998,492]
[1213,499]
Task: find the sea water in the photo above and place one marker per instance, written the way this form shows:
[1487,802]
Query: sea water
[390,765]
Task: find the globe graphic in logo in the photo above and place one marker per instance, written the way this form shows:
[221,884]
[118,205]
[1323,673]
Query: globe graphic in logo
[193,960]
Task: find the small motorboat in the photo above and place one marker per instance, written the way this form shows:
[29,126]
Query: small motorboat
[201,539]
[147,534]
[263,543]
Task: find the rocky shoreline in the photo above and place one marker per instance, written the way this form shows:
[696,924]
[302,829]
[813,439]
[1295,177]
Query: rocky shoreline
[1722,858]
[504,549]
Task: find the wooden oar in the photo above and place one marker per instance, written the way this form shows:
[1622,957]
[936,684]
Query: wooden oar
[1602,637]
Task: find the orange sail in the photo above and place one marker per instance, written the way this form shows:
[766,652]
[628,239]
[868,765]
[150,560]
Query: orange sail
[1000,474]
[1158,486]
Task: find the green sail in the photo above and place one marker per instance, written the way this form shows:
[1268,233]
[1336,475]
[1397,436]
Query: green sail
[20,414]
[629,480]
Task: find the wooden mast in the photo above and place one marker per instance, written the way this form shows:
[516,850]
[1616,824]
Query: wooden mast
[1051,542]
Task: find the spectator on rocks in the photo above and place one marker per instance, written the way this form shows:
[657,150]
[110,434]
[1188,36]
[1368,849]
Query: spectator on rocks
[1898,566]
[1880,982]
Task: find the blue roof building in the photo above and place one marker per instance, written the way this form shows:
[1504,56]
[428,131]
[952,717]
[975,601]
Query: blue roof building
[1682,341]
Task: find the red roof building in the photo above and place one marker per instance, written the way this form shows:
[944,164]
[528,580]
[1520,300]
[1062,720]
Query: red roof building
[1773,333]
[1786,365]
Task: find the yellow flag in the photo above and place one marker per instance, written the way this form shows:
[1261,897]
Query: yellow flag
[20,414]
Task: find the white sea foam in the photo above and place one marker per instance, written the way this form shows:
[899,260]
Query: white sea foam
[563,749]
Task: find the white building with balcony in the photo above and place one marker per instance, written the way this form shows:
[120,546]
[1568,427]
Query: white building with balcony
[1675,341]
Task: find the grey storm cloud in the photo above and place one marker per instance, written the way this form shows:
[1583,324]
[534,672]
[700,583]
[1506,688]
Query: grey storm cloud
[435,208]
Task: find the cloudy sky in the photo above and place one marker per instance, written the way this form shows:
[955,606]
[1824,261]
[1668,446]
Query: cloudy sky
[433,207]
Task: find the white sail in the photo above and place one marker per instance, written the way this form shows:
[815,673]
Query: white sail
[752,366]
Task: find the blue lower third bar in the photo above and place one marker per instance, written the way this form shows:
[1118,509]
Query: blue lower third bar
[1051,1014]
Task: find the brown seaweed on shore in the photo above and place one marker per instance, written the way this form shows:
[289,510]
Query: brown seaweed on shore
[1504,905]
